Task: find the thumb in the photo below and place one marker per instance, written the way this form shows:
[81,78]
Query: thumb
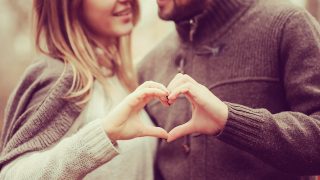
[180,131]
[155,132]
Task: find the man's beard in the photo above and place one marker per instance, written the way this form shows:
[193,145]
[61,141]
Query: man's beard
[185,12]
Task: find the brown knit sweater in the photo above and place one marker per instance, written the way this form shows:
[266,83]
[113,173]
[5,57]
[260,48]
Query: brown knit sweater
[262,57]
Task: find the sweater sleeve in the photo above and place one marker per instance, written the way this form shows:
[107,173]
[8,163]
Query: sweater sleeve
[37,115]
[72,158]
[288,140]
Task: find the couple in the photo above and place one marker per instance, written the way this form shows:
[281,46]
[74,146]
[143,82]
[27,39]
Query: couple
[235,90]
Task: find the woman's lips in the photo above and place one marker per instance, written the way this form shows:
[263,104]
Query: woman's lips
[125,12]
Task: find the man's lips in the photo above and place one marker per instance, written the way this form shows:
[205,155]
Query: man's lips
[162,3]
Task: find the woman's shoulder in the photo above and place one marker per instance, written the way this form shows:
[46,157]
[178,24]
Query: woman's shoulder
[37,105]
[44,67]
[45,77]
[43,85]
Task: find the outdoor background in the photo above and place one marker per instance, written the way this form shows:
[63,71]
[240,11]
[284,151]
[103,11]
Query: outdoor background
[16,49]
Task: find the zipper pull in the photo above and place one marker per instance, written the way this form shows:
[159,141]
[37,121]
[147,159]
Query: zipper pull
[193,27]
[181,64]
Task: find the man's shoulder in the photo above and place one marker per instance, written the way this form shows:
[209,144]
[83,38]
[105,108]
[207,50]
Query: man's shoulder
[275,9]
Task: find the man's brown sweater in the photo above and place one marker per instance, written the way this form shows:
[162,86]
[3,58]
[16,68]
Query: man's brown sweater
[262,57]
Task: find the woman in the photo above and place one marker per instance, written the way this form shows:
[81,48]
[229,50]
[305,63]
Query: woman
[64,120]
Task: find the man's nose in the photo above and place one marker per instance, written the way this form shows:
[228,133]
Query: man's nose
[124,1]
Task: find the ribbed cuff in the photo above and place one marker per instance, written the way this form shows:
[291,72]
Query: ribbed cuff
[244,127]
[97,143]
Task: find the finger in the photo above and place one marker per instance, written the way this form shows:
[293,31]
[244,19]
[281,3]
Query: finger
[152,92]
[179,80]
[187,89]
[189,79]
[154,132]
[152,84]
[164,101]
[192,101]
[163,98]
[180,131]
[176,81]
[144,96]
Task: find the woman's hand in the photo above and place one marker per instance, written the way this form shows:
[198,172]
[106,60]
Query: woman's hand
[124,121]
[209,113]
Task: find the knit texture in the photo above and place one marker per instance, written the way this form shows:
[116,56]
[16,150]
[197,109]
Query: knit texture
[84,151]
[28,125]
[263,59]
[72,158]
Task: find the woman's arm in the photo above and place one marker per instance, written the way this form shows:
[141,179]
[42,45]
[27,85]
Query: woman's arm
[76,156]
[71,158]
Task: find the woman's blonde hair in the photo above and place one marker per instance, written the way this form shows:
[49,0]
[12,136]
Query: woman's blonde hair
[60,26]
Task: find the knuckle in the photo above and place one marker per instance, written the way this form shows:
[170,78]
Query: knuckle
[188,85]
[179,75]
[185,78]
[143,96]
[146,84]
[188,78]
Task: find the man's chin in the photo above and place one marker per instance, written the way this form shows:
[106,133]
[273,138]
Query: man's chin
[165,16]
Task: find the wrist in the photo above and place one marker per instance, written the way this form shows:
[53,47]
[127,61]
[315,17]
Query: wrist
[224,115]
[222,120]
[112,134]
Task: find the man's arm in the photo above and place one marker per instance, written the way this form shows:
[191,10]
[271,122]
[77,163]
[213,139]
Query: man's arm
[288,140]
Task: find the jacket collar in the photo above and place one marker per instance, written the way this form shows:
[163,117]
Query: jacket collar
[218,14]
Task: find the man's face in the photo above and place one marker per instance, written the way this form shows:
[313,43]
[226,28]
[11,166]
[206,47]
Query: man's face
[178,10]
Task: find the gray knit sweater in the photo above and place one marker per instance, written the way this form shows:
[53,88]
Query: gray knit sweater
[37,117]
[28,125]
[86,145]
[262,57]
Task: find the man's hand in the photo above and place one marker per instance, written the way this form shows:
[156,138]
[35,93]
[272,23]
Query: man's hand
[209,113]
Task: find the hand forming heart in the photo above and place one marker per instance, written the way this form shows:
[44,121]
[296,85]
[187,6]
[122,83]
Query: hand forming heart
[209,113]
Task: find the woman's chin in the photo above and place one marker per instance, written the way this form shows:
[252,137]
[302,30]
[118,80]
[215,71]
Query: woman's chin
[123,30]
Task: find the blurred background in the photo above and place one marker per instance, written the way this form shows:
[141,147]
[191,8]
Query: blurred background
[16,48]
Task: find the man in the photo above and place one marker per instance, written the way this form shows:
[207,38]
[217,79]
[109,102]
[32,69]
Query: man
[251,71]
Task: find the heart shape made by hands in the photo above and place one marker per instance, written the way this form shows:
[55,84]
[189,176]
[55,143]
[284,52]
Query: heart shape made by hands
[209,113]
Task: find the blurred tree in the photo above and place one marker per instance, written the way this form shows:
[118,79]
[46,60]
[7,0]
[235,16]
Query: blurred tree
[15,48]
